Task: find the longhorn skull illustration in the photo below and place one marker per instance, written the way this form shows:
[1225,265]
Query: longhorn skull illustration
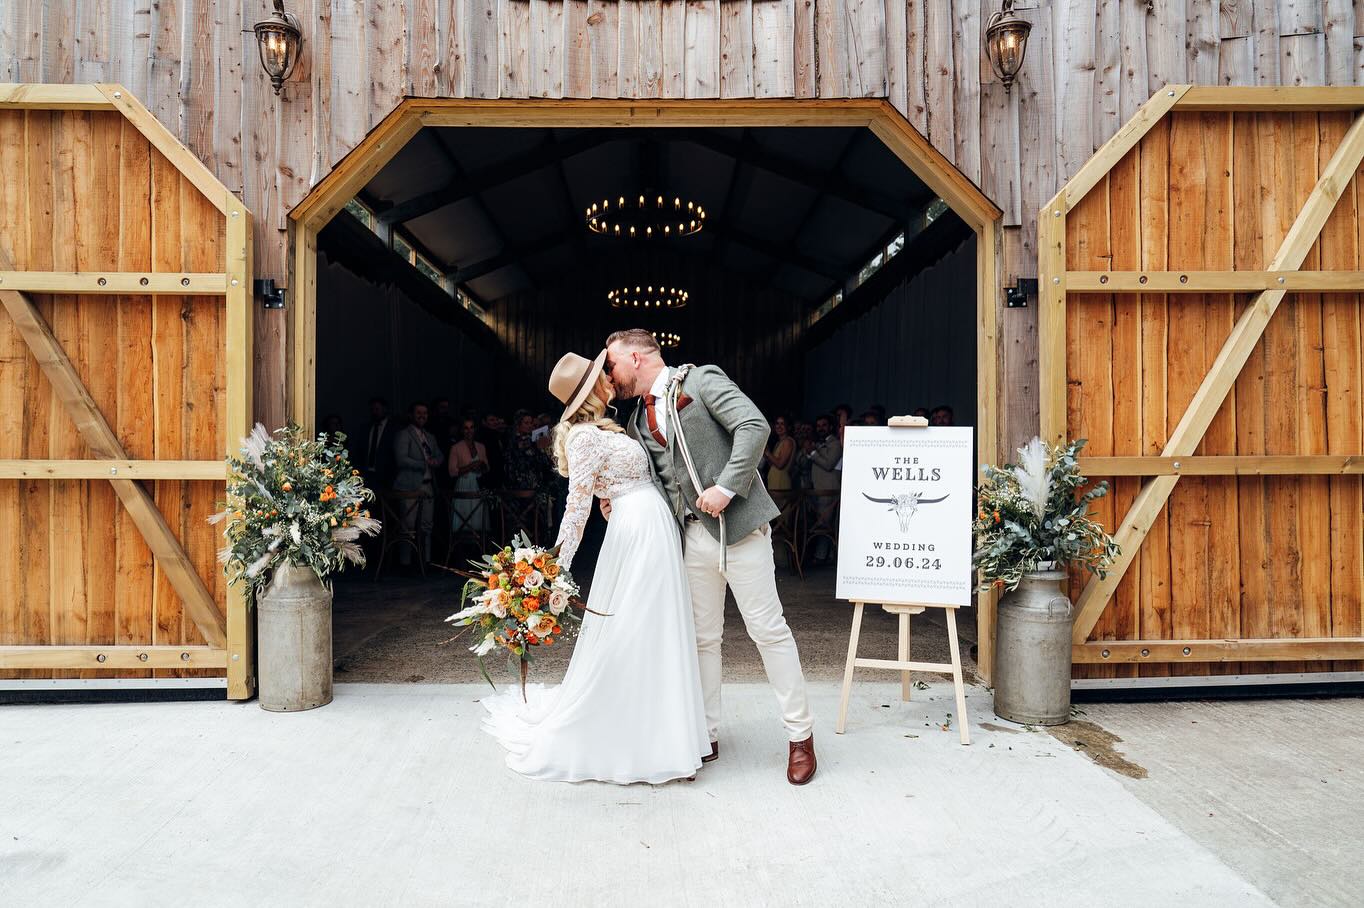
[904,506]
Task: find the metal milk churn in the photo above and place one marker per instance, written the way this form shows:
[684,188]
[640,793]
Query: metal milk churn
[294,646]
[1032,654]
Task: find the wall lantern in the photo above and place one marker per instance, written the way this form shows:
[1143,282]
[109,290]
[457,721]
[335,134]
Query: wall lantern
[279,39]
[1006,40]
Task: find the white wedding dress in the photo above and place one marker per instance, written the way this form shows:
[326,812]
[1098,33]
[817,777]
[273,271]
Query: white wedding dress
[630,707]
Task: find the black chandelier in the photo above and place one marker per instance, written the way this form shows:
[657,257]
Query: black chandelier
[647,296]
[646,216]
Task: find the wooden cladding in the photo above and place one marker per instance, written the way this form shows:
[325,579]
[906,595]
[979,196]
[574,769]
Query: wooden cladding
[123,273]
[1223,392]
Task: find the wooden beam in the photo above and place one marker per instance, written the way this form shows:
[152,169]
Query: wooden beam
[1051,320]
[830,182]
[929,165]
[510,255]
[602,112]
[1213,281]
[1122,141]
[31,96]
[1271,98]
[104,444]
[1243,650]
[111,657]
[358,167]
[1211,394]
[239,360]
[989,260]
[1219,465]
[165,142]
[142,284]
[472,183]
[214,470]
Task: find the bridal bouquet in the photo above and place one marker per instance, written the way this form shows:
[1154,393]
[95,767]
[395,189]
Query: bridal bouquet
[521,599]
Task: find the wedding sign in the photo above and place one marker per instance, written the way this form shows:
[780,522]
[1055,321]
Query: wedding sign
[905,516]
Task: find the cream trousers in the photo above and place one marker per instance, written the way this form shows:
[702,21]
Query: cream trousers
[750,575]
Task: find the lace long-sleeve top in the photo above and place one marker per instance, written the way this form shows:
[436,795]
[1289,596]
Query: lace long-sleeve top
[600,463]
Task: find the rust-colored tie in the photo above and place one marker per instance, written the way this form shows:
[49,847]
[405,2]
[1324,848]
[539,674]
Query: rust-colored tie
[652,417]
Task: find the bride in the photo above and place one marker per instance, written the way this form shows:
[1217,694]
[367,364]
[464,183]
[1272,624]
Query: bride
[630,707]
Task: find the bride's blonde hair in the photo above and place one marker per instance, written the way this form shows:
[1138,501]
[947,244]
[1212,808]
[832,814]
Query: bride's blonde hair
[592,412]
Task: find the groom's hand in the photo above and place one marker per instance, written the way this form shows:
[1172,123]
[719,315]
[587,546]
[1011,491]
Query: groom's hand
[605,507]
[712,501]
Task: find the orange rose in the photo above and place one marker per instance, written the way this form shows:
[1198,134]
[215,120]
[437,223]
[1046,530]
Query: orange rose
[532,603]
[533,640]
[552,571]
[549,641]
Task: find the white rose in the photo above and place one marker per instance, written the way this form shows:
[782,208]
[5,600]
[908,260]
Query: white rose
[526,555]
[558,601]
[534,579]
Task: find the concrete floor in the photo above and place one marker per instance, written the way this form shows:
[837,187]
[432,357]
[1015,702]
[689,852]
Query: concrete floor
[391,796]
[1273,787]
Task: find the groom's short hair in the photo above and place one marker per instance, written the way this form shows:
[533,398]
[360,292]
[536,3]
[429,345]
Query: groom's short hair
[636,339]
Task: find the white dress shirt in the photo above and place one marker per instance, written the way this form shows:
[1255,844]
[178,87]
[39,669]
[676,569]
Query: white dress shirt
[659,388]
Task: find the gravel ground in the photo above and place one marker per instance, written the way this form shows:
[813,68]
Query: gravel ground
[392,632]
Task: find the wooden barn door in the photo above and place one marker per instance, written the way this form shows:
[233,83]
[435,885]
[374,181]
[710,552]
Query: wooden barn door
[124,359]
[1203,280]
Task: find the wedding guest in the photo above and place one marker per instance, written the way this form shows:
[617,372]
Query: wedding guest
[826,460]
[490,436]
[375,459]
[879,411]
[467,464]
[525,464]
[805,447]
[780,457]
[941,416]
[868,419]
[417,456]
[331,424]
[921,412]
[826,455]
[442,423]
[843,415]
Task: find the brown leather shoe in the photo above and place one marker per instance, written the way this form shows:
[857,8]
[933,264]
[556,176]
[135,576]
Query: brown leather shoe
[714,753]
[801,766]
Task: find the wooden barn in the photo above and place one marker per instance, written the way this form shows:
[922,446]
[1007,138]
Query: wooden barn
[1180,178]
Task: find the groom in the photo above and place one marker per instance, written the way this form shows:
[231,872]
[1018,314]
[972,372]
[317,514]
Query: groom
[723,435]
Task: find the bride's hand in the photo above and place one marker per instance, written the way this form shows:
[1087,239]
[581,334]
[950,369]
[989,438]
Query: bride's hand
[605,504]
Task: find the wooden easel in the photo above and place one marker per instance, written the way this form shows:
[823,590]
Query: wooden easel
[903,665]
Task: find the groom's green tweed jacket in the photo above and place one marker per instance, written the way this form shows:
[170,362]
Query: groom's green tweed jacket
[726,434]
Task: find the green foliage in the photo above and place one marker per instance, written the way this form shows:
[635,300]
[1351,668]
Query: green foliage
[296,499]
[1033,516]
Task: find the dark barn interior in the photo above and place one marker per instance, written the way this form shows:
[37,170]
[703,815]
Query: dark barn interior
[825,271]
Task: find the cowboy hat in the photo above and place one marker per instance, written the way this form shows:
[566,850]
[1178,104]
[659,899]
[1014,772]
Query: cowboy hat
[573,379]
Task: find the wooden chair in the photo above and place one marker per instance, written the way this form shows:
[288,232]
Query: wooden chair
[397,506]
[521,509]
[903,665]
[786,525]
[463,527]
[820,519]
